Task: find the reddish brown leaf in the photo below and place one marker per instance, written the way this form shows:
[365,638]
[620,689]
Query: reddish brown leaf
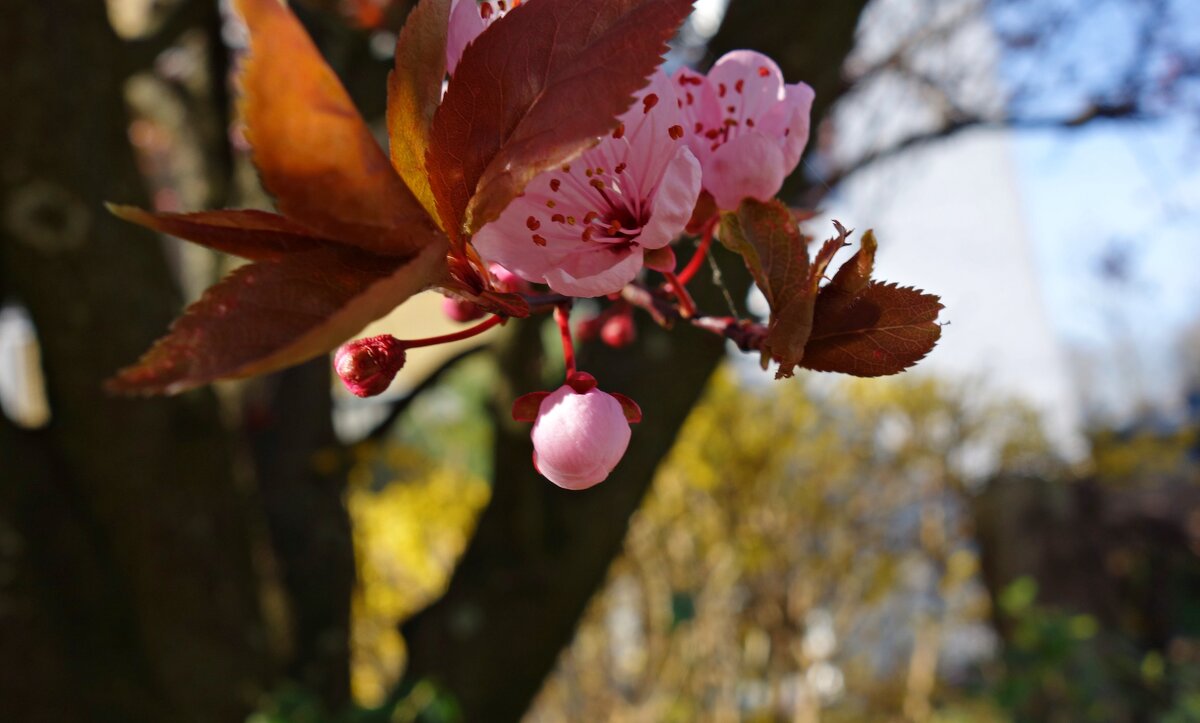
[535,89]
[884,330]
[525,407]
[630,408]
[315,154]
[775,251]
[268,315]
[414,92]
[854,275]
[254,235]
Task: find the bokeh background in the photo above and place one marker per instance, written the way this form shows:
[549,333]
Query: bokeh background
[1011,532]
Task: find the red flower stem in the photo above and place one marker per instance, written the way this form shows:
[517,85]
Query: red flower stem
[456,336]
[697,259]
[562,314]
[687,307]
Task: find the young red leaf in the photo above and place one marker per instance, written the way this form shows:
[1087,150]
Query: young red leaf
[535,89]
[312,148]
[254,235]
[776,253]
[852,278]
[269,315]
[884,330]
[414,92]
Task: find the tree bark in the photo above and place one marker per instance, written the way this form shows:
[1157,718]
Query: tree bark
[540,553]
[289,423]
[136,594]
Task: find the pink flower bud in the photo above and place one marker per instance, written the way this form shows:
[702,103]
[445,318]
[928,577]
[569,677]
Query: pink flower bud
[505,279]
[368,366]
[579,437]
[618,330]
[459,310]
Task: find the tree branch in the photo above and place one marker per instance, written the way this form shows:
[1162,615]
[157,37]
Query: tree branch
[1116,111]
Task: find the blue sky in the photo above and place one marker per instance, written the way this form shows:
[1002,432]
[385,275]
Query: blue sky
[1128,188]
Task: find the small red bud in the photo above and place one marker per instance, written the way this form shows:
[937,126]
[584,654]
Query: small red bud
[368,366]
[588,329]
[462,311]
[581,382]
[618,330]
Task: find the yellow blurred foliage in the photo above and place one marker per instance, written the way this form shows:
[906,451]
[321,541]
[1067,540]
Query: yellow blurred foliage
[804,555]
[409,532]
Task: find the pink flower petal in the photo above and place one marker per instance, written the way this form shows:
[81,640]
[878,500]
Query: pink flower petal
[747,81]
[596,271]
[674,202]
[749,166]
[790,120]
[653,133]
[465,25]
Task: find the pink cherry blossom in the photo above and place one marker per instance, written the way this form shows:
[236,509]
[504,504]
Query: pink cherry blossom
[745,125]
[579,438]
[467,20]
[583,229]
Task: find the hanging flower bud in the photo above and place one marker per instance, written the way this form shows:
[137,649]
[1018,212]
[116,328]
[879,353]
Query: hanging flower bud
[505,280]
[460,310]
[368,366]
[579,433]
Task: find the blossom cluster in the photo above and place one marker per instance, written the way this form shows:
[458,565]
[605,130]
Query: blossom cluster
[587,228]
[511,199]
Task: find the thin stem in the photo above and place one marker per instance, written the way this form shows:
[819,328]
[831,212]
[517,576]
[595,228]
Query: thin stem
[562,314]
[687,307]
[697,259]
[456,336]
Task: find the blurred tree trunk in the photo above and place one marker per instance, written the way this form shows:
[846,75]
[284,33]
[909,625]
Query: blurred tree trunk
[302,478]
[131,550]
[540,553]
